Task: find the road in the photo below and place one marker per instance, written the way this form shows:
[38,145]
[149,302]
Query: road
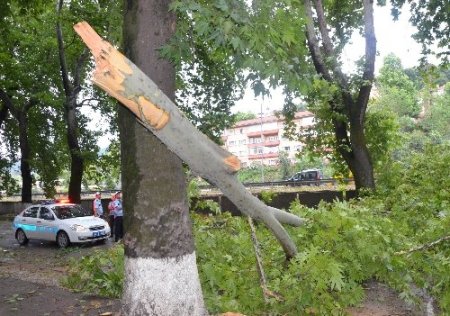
[30,279]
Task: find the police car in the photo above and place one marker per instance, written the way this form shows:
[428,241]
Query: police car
[62,222]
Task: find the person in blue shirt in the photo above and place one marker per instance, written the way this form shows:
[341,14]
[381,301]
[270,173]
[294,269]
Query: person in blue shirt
[97,205]
[118,217]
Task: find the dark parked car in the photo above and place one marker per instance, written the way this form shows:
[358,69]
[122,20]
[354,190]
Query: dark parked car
[307,177]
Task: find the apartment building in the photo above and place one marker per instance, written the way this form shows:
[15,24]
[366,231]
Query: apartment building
[261,140]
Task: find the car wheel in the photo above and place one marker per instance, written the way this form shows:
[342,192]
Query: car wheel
[21,237]
[62,239]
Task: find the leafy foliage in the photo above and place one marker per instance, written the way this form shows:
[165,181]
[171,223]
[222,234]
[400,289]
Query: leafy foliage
[242,116]
[435,122]
[342,245]
[104,172]
[397,91]
[254,174]
[99,274]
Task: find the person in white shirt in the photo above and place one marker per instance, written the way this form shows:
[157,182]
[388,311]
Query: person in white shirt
[97,205]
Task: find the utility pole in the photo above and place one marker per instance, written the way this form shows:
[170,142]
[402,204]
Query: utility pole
[262,145]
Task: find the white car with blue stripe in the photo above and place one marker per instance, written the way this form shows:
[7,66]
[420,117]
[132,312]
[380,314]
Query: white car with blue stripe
[64,223]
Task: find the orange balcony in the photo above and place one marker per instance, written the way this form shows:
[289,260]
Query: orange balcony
[255,145]
[266,132]
[263,156]
[267,143]
[271,143]
[271,132]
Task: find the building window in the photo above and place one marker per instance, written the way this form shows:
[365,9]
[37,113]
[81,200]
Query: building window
[232,143]
[273,138]
[287,148]
[241,130]
[242,142]
[255,140]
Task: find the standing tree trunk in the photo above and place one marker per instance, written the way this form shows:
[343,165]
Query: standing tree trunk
[3,114]
[25,169]
[76,159]
[21,115]
[349,133]
[161,276]
[71,91]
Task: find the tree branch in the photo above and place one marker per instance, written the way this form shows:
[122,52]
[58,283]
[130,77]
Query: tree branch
[259,265]
[123,80]
[29,105]
[424,246]
[87,101]
[3,114]
[262,276]
[61,51]
[369,62]
[340,127]
[328,46]
[8,103]
[313,44]
[77,73]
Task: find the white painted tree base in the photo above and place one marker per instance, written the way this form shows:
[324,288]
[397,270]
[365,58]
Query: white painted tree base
[169,286]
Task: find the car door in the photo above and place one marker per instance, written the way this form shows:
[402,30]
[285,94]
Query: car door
[46,224]
[28,221]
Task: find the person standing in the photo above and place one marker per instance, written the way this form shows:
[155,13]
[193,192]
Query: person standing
[118,217]
[97,205]
[111,214]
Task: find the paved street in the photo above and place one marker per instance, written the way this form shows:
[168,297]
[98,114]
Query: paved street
[30,279]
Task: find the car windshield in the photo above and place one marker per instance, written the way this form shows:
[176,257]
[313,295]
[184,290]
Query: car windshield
[70,211]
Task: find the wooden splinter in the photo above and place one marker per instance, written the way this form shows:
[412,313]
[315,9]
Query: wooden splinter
[111,70]
[124,81]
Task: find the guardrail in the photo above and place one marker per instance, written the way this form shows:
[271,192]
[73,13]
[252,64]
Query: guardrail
[330,181]
[106,193]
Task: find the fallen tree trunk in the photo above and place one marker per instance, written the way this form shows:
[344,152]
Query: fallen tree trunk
[123,80]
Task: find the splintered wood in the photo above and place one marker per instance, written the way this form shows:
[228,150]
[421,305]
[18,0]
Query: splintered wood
[112,69]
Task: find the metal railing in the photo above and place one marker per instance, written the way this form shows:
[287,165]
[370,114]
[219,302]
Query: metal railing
[331,182]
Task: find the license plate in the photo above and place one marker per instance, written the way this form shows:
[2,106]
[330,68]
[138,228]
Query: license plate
[98,234]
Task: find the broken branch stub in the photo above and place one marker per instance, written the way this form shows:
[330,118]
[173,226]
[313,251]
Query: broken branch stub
[124,81]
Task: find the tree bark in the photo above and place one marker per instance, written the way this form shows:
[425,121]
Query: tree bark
[25,169]
[3,114]
[70,105]
[161,275]
[21,115]
[350,137]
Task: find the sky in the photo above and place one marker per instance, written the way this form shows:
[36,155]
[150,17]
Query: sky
[392,37]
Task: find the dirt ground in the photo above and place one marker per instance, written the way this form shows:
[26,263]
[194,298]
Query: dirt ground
[30,283]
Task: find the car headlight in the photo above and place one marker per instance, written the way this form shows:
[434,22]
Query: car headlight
[79,228]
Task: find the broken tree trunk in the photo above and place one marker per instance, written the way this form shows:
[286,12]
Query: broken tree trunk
[123,80]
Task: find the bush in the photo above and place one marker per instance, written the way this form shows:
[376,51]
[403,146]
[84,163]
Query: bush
[99,274]
[341,245]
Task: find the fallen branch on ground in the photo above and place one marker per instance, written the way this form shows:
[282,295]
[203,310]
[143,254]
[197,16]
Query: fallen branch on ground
[424,246]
